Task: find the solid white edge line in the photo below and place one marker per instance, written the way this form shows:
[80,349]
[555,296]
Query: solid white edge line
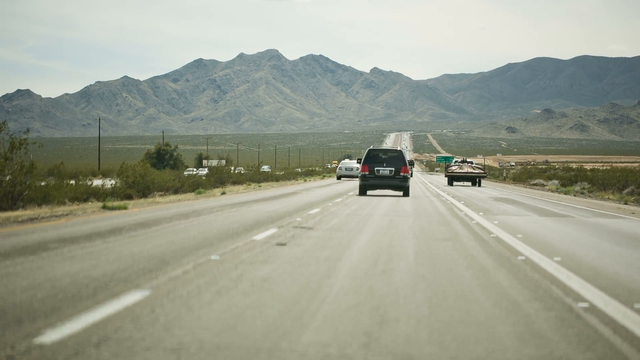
[265,234]
[572,205]
[313,211]
[610,306]
[90,317]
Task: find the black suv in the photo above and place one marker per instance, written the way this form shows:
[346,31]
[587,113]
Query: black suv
[384,168]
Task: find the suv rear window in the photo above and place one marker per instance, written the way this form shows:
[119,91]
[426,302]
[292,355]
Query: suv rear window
[385,157]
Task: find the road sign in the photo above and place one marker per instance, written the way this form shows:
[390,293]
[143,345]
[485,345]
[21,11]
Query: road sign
[444,159]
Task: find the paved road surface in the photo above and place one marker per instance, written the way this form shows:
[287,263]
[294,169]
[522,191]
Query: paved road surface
[313,271]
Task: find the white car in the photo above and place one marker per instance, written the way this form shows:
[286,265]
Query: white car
[265,168]
[203,171]
[348,169]
[191,171]
[239,170]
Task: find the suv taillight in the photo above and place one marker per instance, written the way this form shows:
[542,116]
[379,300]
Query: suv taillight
[364,170]
[404,170]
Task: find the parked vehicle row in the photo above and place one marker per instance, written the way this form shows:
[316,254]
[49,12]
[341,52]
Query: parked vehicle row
[237,170]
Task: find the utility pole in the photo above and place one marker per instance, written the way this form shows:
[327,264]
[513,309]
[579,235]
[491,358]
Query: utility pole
[275,160]
[299,150]
[209,137]
[98,144]
[237,154]
[162,137]
[258,154]
[289,163]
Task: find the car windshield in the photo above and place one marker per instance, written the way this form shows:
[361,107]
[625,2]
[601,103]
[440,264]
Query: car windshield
[349,163]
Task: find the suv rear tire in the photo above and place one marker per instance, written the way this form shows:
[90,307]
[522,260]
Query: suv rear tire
[362,191]
[405,192]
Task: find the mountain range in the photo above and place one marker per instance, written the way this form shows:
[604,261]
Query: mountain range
[266,92]
[611,121]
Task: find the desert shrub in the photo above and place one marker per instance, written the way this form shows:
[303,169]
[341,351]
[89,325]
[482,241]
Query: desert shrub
[136,180]
[106,206]
[16,168]
[538,182]
[62,192]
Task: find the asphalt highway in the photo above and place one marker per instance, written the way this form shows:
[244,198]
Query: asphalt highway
[313,271]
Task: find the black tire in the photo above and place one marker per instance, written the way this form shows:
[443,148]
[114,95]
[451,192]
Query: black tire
[474,182]
[338,177]
[362,191]
[405,192]
[479,182]
[449,181]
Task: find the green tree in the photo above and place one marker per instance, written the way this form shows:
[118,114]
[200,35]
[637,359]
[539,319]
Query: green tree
[16,168]
[197,161]
[164,156]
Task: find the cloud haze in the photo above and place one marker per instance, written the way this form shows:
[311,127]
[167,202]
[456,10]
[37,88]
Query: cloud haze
[60,47]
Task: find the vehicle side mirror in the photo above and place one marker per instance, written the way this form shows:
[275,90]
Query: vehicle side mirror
[411,163]
[359,160]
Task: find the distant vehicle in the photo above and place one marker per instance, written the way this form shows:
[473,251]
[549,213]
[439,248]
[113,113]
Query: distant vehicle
[298,170]
[191,171]
[203,171]
[384,168]
[464,171]
[265,168]
[328,166]
[334,164]
[348,169]
[239,170]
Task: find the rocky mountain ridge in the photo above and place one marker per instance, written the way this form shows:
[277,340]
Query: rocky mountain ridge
[266,92]
[611,121]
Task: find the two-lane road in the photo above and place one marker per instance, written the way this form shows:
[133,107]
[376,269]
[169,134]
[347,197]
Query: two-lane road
[313,271]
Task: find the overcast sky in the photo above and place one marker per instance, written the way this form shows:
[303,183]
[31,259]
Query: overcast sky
[56,47]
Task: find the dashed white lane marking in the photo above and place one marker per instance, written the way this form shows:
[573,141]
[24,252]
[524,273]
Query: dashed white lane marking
[265,234]
[90,317]
[557,259]
[583,304]
[298,219]
[338,200]
[636,306]
[314,211]
[495,222]
[620,313]
[519,235]
[474,222]
[480,214]
[493,235]
[521,258]
[215,257]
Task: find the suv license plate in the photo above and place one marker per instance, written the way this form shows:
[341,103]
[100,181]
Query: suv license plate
[385,172]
